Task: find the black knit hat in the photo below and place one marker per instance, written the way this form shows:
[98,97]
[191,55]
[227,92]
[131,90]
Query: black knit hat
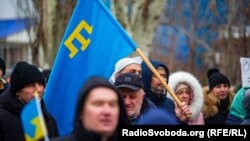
[2,66]
[216,78]
[24,74]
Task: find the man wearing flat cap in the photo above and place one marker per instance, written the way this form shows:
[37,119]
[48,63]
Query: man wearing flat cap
[131,87]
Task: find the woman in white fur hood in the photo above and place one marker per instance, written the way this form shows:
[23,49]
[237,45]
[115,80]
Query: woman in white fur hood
[188,89]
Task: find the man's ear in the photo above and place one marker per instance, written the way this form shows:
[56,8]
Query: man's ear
[143,93]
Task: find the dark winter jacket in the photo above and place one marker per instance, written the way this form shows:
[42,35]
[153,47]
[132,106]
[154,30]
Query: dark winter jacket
[222,114]
[10,123]
[80,133]
[146,106]
[160,100]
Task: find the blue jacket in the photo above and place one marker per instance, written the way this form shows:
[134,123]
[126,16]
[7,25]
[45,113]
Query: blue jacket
[147,105]
[158,116]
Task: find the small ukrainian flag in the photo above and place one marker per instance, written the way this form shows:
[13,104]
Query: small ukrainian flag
[33,121]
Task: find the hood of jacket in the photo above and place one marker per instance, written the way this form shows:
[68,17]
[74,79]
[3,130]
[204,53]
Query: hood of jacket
[197,102]
[90,84]
[9,102]
[147,75]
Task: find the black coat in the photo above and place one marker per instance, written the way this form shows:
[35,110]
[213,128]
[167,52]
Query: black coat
[221,116]
[10,123]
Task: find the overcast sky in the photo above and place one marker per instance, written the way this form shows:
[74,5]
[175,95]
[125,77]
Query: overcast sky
[9,9]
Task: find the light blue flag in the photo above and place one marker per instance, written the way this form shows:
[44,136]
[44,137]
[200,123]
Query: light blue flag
[93,42]
[33,121]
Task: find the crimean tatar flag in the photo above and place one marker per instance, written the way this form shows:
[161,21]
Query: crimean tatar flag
[93,42]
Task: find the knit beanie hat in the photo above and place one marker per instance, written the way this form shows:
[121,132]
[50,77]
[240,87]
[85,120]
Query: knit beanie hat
[24,74]
[121,64]
[2,66]
[216,78]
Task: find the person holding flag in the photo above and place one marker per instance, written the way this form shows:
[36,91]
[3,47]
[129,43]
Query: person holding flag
[25,80]
[92,44]
[156,92]
[32,115]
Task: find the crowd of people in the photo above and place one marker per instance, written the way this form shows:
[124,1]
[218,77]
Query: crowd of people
[132,96]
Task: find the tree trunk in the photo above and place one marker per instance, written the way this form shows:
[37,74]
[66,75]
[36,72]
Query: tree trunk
[139,18]
[229,60]
[58,15]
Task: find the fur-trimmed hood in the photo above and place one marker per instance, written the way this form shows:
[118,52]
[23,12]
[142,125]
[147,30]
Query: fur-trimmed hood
[197,102]
[210,107]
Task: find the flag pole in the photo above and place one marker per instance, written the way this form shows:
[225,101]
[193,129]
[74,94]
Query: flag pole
[151,67]
[43,125]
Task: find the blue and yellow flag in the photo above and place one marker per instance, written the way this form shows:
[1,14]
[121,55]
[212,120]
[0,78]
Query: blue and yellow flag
[93,42]
[33,121]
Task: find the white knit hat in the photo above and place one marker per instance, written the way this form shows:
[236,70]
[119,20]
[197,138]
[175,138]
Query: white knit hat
[121,64]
